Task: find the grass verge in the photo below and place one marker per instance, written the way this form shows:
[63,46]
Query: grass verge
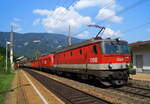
[5,84]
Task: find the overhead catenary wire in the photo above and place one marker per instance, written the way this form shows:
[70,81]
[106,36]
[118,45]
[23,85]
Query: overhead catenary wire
[136,27]
[74,2]
[127,30]
[71,4]
[57,3]
[64,2]
[139,2]
[118,13]
[62,16]
[109,4]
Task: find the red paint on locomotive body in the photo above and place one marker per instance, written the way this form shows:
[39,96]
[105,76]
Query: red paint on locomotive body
[44,61]
[35,64]
[91,56]
[81,55]
[87,56]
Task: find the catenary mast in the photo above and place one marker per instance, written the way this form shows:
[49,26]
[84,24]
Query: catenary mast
[11,48]
[69,36]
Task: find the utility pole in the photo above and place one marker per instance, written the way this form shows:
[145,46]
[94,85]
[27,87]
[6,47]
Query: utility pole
[11,48]
[7,43]
[69,36]
[6,55]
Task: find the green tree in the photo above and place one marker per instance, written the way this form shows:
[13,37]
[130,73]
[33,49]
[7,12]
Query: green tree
[37,54]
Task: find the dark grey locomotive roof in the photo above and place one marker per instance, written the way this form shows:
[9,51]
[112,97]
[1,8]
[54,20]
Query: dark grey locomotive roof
[87,42]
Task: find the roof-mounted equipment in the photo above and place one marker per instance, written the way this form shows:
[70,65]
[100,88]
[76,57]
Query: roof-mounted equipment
[102,28]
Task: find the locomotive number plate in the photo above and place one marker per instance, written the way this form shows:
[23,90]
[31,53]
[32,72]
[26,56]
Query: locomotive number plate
[93,60]
[120,59]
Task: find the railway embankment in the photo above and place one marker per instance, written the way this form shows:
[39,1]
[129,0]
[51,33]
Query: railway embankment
[6,76]
[5,83]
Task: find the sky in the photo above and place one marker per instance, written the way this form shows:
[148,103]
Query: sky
[126,19]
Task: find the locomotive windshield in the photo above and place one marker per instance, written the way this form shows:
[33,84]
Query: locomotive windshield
[116,47]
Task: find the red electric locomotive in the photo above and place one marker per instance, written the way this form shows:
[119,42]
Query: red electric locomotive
[105,60]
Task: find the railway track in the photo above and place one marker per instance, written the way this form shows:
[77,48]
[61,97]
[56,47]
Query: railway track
[140,83]
[136,91]
[68,94]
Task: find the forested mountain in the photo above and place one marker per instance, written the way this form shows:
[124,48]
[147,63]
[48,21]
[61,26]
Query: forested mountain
[28,44]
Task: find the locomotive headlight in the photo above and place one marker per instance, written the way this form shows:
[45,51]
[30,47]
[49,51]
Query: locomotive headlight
[110,66]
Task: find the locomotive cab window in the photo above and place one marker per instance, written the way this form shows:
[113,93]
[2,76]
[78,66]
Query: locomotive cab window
[94,49]
[71,54]
[116,48]
[80,52]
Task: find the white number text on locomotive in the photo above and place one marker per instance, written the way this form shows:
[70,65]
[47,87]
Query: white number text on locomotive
[120,59]
[93,60]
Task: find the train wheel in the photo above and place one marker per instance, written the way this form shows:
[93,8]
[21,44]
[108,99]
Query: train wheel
[105,84]
[59,73]
[118,82]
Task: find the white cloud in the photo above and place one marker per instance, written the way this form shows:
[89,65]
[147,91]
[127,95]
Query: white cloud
[17,19]
[107,14]
[107,9]
[91,3]
[111,33]
[16,27]
[59,19]
[84,35]
[108,32]
[36,22]
[42,12]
